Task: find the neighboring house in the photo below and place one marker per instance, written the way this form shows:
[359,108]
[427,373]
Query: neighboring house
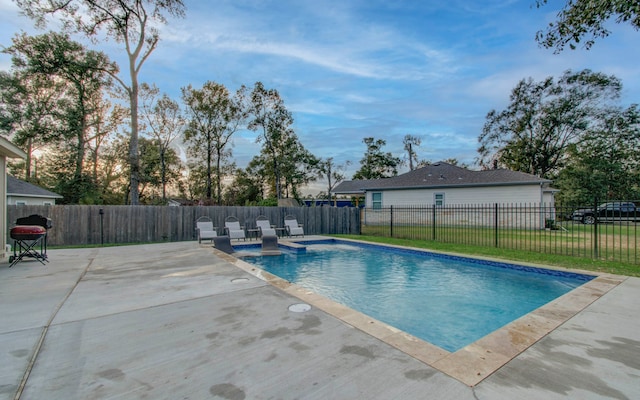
[24,193]
[7,150]
[444,184]
[472,196]
[324,202]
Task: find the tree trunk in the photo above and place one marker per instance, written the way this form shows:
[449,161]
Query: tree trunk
[28,160]
[219,177]
[208,168]
[163,172]
[134,160]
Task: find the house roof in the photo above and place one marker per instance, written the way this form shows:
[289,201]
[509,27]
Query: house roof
[17,187]
[441,175]
[10,150]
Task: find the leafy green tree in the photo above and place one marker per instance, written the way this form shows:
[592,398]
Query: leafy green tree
[296,166]
[57,57]
[375,163]
[543,119]
[194,185]
[246,189]
[54,174]
[213,117]
[270,117]
[586,19]
[112,172]
[130,22]
[299,167]
[605,164]
[27,107]
[156,171]
[164,122]
[106,121]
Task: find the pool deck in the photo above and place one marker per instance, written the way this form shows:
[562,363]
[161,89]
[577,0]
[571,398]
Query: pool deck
[182,320]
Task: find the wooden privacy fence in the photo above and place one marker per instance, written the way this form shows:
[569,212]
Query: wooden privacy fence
[81,225]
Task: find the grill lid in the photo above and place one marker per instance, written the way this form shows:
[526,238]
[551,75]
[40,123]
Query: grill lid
[35,219]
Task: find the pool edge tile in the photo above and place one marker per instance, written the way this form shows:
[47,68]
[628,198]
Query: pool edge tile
[416,348]
[472,364]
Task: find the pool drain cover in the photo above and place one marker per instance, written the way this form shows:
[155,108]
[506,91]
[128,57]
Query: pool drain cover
[299,307]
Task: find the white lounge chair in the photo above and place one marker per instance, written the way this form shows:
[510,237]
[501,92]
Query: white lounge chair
[205,229]
[292,226]
[265,227]
[233,229]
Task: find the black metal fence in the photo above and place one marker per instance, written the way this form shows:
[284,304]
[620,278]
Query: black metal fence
[593,231]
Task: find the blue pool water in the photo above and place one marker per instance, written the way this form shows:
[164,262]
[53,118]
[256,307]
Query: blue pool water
[445,300]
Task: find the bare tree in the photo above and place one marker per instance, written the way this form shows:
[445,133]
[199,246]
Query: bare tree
[409,142]
[334,173]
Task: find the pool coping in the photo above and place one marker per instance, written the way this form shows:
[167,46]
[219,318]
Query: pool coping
[474,362]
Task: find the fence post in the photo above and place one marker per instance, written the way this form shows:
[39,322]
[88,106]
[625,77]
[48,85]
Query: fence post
[595,229]
[391,219]
[495,224]
[433,223]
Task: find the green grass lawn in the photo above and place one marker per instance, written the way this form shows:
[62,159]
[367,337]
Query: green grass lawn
[619,243]
[559,261]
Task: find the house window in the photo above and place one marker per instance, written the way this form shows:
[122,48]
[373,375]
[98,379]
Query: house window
[47,203]
[438,199]
[376,200]
[21,203]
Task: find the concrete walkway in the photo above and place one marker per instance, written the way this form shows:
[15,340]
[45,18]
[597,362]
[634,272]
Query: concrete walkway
[177,321]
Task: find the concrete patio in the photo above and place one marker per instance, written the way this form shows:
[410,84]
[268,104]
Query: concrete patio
[183,321]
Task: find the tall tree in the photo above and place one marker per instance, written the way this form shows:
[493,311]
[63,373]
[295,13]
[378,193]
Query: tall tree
[270,117]
[83,75]
[375,163]
[153,171]
[28,105]
[130,22]
[543,119]
[213,117]
[299,166]
[56,56]
[409,143]
[164,120]
[296,165]
[113,171]
[106,122]
[586,19]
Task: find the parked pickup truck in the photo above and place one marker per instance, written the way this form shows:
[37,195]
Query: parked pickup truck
[616,211]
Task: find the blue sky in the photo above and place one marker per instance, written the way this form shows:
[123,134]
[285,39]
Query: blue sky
[352,69]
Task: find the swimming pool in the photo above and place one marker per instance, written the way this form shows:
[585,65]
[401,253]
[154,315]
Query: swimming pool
[445,300]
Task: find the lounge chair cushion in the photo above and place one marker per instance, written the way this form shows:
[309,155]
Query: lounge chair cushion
[293,228]
[265,228]
[235,230]
[206,231]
